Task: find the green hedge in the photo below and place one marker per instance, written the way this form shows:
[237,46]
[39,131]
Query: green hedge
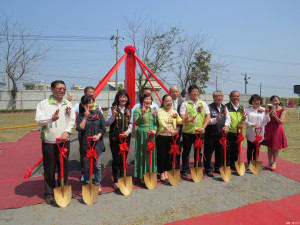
[16,110]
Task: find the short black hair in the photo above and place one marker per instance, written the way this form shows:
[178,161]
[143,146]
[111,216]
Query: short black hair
[255,96]
[191,87]
[54,83]
[120,93]
[143,96]
[85,99]
[88,88]
[163,99]
[274,96]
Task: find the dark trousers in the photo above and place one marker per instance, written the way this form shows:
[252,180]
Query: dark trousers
[232,152]
[180,148]
[51,162]
[212,144]
[251,151]
[117,159]
[164,159]
[188,141]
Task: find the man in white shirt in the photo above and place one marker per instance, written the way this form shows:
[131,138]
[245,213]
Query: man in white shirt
[138,105]
[56,118]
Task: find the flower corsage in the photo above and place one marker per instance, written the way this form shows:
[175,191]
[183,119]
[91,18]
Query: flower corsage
[94,116]
[174,115]
[260,110]
[155,113]
[128,113]
[199,109]
[68,110]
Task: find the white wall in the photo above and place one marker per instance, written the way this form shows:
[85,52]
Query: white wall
[28,99]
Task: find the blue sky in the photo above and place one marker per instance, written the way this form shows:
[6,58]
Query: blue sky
[260,38]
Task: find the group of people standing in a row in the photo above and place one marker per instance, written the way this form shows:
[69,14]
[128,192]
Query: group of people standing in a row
[176,116]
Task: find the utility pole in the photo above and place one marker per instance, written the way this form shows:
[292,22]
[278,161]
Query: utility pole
[216,83]
[116,38]
[260,88]
[246,81]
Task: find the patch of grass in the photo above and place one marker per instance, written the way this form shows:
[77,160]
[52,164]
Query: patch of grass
[16,119]
[292,153]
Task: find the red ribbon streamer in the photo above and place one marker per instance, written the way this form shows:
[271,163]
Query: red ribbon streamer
[258,139]
[123,148]
[150,146]
[90,154]
[198,144]
[223,142]
[240,138]
[62,153]
[175,148]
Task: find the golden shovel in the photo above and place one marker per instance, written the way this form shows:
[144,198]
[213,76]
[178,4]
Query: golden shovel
[240,165]
[174,174]
[90,191]
[225,170]
[255,165]
[197,172]
[62,194]
[125,183]
[150,178]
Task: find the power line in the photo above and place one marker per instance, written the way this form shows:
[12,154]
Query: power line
[257,59]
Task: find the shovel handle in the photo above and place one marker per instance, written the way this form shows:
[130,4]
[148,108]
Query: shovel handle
[91,159]
[61,160]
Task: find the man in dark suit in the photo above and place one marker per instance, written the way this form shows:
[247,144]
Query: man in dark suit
[176,103]
[219,122]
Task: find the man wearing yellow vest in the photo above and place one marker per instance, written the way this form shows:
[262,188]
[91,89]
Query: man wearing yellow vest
[236,112]
[198,115]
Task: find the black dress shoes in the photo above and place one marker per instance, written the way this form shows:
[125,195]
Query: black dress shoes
[210,174]
[184,175]
[50,199]
[217,170]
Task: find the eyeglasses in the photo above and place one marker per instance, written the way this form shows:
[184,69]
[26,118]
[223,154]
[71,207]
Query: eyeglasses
[61,89]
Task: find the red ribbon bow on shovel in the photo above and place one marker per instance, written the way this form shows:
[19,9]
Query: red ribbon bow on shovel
[258,138]
[151,145]
[62,149]
[240,138]
[123,146]
[174,146]
[198,144]
[223,142]
[91,152]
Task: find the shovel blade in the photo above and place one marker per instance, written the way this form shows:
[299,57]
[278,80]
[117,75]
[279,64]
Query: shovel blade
[125,185]
[90,193]
[102,171]
[256,167]
[174,177]
[225,173]
[63,195]
[240,167]
[150,180]
[197,174]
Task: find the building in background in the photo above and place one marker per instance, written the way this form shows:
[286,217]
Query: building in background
[37,85]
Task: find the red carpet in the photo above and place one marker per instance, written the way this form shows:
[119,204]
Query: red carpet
[16,157]
[284,211]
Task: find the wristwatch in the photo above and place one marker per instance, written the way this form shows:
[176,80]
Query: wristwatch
[203,127]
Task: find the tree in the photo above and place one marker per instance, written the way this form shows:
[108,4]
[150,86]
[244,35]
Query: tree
[194,64]
[21,53]
[154,45]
